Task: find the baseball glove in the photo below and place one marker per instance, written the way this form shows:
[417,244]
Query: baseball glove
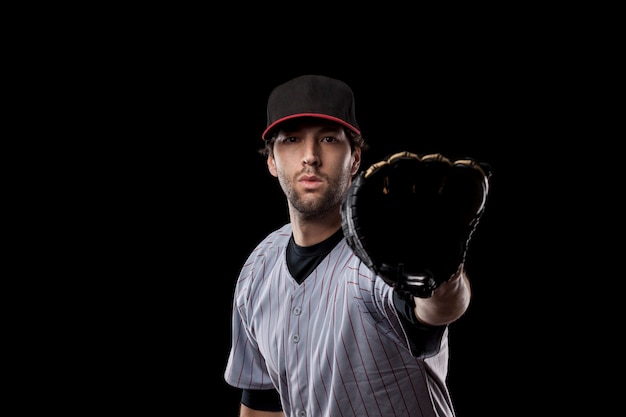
[410,218]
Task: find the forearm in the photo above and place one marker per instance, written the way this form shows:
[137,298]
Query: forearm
[248,412]
[447,303]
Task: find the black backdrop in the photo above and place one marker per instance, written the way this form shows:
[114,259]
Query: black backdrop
[191,198]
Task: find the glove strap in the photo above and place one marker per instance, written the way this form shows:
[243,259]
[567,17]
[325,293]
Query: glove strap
[410,285]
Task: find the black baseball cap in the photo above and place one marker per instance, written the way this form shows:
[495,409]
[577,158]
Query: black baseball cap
[311,96]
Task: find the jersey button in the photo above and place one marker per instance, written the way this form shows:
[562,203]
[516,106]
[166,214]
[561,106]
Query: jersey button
[301,413]
[295,338]
[297,311]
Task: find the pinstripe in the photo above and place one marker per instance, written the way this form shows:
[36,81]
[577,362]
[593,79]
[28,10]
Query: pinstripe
[333,346]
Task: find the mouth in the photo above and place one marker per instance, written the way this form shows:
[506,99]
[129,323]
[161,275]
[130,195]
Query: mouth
[310,181]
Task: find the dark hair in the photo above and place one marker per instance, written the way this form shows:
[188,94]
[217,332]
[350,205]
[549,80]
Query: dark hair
[356,141]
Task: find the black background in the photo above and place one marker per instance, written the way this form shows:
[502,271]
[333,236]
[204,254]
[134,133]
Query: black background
[143,192]
[181,197]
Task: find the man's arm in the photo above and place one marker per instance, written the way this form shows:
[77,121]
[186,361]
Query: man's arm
[447,303]
[248,412]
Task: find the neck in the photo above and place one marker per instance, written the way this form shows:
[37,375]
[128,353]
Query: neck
[308,232]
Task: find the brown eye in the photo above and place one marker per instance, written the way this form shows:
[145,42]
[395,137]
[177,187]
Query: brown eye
[289,139]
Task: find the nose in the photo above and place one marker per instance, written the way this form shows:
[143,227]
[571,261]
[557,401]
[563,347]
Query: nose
[311,154]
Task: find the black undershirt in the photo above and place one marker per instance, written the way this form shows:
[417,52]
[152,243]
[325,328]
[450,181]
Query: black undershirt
[301,261]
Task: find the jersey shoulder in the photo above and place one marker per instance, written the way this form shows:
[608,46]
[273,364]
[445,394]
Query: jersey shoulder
[268,251]
[275,241]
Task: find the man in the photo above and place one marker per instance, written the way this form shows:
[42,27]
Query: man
[315,332]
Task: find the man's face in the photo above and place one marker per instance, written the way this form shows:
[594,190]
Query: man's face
[314,165]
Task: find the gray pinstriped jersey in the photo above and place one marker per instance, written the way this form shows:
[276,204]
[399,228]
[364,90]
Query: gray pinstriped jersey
[333,346]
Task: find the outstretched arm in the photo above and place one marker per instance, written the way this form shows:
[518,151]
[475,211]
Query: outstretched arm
[447,303]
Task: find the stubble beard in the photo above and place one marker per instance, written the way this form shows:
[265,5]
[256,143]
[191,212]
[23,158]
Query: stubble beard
[312,205]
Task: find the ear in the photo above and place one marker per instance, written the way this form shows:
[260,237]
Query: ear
[357,161]
[271,166]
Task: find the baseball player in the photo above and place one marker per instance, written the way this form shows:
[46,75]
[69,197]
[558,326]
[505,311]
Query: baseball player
[333,314]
